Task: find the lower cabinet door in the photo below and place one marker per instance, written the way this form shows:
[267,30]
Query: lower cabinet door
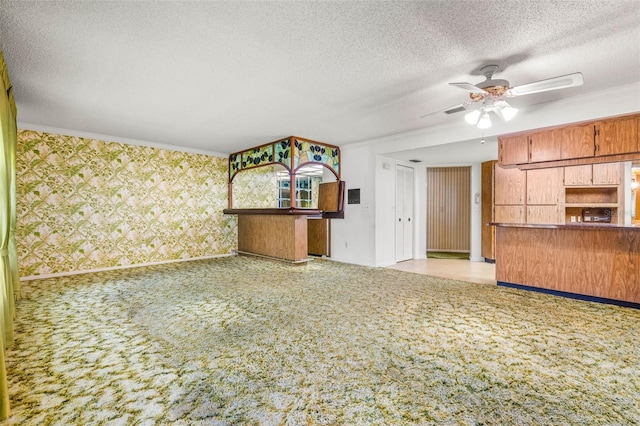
[509,214]
[544,215]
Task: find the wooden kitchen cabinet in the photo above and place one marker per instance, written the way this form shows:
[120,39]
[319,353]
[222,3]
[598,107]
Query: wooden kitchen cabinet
[577,141]
[577,175]
[513,150]
[607,174]
[509,186]
[617,136]
[544,186]
[488,246]
[545,146]
[597,186]
[545,214]
[596,174]
[573,144]
[510,214]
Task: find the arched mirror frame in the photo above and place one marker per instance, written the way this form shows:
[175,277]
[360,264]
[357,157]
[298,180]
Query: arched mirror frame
[292,152]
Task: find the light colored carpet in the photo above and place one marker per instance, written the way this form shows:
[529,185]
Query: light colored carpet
[239,340]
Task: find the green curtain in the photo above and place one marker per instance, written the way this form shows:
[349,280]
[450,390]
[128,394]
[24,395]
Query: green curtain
[9,279]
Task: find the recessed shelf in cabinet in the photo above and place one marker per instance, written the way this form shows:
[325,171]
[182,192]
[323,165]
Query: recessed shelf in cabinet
[576,212]
[592,196]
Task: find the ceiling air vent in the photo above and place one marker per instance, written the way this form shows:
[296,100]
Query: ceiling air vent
[415,161]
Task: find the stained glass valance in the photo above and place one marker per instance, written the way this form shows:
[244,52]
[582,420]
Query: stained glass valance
[292,152]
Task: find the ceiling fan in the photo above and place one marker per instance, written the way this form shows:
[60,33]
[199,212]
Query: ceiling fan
[491,93]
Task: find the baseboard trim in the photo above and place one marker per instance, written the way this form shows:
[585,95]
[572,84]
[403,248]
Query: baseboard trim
[575,296]
[277,259]
[114,268]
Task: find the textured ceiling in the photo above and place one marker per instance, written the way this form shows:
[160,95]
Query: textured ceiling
[224,76]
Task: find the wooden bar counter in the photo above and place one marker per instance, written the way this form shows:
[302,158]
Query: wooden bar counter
[587,261]
[278,233]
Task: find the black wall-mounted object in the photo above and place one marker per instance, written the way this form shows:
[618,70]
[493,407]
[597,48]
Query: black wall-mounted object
[353,196]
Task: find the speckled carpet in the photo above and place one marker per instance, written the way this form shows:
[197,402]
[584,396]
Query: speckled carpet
[238,340]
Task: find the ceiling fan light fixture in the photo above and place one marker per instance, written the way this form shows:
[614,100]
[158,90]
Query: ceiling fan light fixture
[472,117]
[504,110]
[485,121]
[509,112]
[491,91]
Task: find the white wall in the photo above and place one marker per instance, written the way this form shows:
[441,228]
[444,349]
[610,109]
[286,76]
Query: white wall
[353,238]
[364,236]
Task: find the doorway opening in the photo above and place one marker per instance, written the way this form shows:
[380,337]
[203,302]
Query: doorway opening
[448,212]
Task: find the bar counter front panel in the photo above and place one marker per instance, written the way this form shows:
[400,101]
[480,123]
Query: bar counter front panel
[274,233]
[600,261]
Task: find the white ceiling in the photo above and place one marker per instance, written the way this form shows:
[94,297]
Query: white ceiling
[224,76]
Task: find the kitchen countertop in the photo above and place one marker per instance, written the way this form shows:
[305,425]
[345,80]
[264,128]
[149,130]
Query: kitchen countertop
[275,211]
[578,226]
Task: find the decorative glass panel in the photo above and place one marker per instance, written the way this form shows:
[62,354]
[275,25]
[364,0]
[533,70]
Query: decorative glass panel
[307,152]
[234,165]
[306,157]
[257,156]
[283,152]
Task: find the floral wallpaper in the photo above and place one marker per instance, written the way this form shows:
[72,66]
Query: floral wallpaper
[86,204]
[256,188]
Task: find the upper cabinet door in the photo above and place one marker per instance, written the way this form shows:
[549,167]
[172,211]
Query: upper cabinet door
[513,150]
[577,141]
[544,186]
[617,136]
[545,146]
[509,186]
[577,175]
[607,173]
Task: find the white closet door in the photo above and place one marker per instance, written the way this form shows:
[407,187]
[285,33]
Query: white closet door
[404,213]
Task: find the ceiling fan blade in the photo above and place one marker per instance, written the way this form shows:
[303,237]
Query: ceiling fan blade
[450,110]
[470,88]
[555,83]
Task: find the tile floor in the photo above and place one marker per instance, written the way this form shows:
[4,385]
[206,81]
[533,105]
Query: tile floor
[457,269]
